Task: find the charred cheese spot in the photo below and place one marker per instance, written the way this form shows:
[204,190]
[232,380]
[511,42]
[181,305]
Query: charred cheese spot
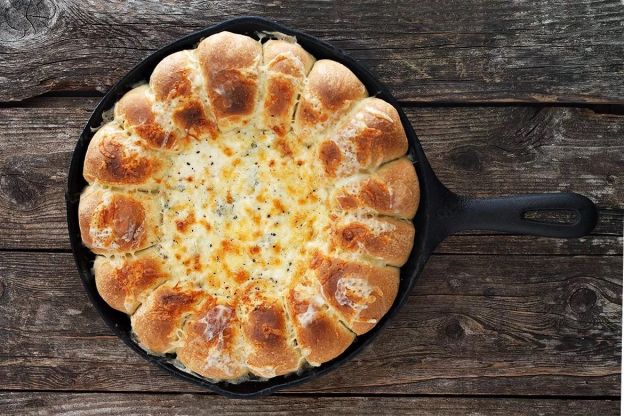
[330,157]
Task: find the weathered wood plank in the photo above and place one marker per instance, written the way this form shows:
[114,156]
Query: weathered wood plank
[192,404]
[527,325]
[476,151]
[444,51]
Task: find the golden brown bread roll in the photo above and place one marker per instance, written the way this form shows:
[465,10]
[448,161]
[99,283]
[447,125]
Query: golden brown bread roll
[158,321]
[361,293]
[392,190]
[118,222]
[117,159]
[178,87]
[248,204]
[330,91]
[211,345]
[371,135]
[125,281]
[229,63]
[266,331]
[135,113]
[383,238]
[320,335]
[286,66]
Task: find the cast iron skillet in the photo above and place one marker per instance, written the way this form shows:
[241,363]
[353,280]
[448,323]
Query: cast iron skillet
[441,211]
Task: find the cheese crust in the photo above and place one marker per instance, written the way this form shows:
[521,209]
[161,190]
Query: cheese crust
[250,208]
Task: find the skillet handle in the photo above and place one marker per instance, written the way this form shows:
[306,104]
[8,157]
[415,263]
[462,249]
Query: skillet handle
[457,213]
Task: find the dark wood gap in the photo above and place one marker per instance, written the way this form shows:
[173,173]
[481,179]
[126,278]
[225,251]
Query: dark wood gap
[333,394]
[598,107]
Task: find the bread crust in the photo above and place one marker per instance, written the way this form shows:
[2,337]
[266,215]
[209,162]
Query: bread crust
[134,111]
[286,65]
[211,344]
[177,83]
[392,190]
[158,319]
[116,159]
[320,335]
[382,238]
[360,293]
[117,222]
[124,282]
[331,89]
[370,135]
[229,64]
[265,328]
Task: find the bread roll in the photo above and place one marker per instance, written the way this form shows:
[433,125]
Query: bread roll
[360,293]
[320,334]
[179,90]
[286,66]
[116,158]
[266,331]
[330,91]
[212,344]
[125,281]
[113,222]
[370,135]
[392,190]
[230,65]
[382,238]
[158,321]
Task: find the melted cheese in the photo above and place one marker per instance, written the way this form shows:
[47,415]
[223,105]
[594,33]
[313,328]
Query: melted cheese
[215,321]
[236,209]
[353,292]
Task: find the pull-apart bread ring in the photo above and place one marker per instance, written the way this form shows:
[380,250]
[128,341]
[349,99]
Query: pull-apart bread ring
[249,208]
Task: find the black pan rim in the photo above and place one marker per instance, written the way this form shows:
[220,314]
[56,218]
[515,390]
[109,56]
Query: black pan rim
[423,245]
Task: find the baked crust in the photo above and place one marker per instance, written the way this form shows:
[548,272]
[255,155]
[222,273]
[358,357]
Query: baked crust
[177,84]
[266,332]
[286,66]
[360,293]
[371,135]
[211,344]
[391,190]
[330,91]
[134,112]
[115,158]
[382,238]
[320,335]
[229,63]
[124,282]
[250,207]
[157,321]
[117,222]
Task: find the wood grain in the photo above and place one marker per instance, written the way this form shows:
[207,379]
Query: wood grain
[192,404]
[484,325]
[443,51]
[478,151]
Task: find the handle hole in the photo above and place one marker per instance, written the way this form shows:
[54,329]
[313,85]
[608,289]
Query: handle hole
[552,216]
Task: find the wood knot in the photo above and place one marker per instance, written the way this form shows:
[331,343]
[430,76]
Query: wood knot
[467,159]
[582,300]
[453,329]
[489,292]
[18,190]
[454,284]
[26,20]
[2,289]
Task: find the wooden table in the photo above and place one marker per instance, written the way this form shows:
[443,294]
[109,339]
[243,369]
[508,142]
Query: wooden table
[507,97]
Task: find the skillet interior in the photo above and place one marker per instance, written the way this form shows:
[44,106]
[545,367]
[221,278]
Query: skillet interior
[427,236]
